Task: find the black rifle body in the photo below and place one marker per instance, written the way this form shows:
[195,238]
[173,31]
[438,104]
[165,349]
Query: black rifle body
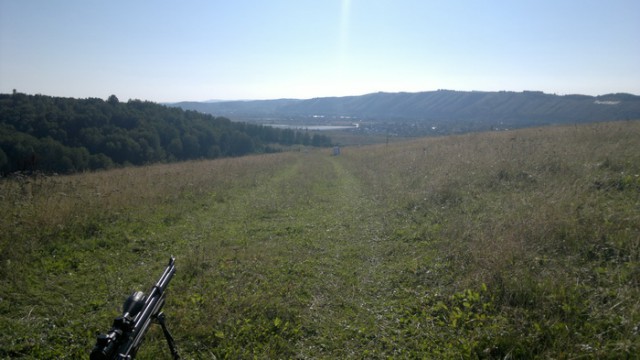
[127,332]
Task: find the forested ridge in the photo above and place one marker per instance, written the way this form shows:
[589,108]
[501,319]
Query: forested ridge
[435,112]
[54,134]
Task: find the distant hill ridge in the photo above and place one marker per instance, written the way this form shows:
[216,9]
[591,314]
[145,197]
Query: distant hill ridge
[475,109]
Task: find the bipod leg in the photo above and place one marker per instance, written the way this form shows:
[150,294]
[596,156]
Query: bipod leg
[172,346]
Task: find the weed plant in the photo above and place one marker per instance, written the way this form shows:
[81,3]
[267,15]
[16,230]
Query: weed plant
[519,244]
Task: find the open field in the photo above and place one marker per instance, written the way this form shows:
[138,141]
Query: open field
[520,244]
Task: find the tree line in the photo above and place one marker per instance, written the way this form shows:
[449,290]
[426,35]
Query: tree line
[64,135]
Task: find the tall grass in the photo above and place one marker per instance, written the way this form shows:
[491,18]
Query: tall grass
[546,218]
[520,244]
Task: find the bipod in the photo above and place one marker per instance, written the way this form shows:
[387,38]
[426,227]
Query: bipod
[160,319]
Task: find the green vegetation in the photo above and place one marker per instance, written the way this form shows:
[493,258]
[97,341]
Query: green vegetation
[64,135]
[522,244]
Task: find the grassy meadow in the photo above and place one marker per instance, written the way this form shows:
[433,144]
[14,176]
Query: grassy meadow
[521,244]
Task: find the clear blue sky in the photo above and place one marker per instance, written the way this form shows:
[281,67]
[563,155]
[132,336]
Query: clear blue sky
[264,49]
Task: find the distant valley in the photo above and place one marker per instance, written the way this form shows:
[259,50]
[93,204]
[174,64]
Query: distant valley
[430,113]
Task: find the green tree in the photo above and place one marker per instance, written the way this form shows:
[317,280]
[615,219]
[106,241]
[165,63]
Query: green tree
[100,161]
[190,146]
[320,140]
[4,162]
[175,148]
[240,144]
[113,100]
[287,136]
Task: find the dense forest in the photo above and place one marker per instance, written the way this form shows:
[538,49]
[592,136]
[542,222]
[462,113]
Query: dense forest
[64,135]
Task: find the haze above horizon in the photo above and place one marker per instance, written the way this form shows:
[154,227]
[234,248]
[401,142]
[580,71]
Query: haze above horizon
[199,50]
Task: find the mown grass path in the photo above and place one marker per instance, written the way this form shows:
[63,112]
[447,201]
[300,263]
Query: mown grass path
[306,243]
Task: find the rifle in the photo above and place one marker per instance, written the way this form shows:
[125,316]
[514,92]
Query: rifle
[125,336]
